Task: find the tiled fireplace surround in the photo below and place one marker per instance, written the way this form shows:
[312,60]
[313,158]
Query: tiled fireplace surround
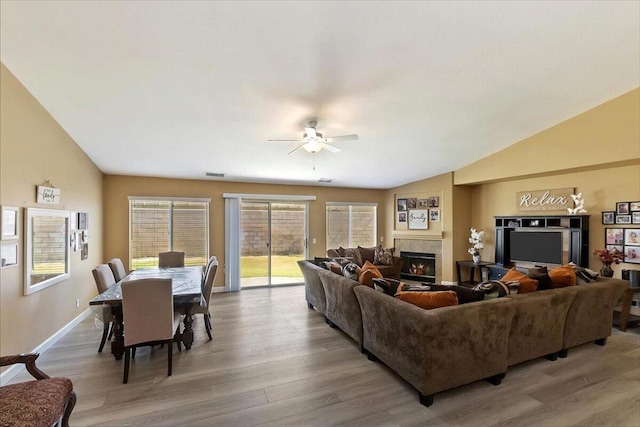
[422,245]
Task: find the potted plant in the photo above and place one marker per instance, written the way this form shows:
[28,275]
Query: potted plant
[476,241]
[609,257]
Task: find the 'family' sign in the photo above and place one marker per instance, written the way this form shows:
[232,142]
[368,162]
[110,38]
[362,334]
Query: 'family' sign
[48,195]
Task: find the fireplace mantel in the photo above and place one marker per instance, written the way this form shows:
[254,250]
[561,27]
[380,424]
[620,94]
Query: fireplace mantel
[417,235]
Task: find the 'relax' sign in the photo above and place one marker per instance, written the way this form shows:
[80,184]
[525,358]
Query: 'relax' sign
[544,200]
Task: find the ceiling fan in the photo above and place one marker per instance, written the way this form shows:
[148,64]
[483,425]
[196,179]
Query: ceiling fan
[313,141]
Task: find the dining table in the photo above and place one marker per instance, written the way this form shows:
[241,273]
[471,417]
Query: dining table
[187,291]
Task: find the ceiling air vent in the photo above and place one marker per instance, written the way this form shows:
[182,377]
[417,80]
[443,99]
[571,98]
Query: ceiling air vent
[215,175]
[325,180]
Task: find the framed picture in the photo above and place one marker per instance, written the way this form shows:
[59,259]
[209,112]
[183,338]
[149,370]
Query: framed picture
[632,237]
[9,254]
[612,247]
[402,205]
[402,217]
[623,219]
[10,225]
[84,253]
[83,220]
[614,236]
[622,208]
[417,219]
[608,217]
[434,215]
[423,203]
[634,206]
[635,217]
[412,203]
[632,254]
[434,201]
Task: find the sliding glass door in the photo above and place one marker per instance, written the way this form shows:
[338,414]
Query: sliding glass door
[273,239]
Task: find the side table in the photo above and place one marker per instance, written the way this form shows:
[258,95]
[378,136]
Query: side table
[626,307]
[472,267]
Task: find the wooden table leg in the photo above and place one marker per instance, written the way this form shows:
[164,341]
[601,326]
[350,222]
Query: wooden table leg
[187,333]
[117,344]
[626,309]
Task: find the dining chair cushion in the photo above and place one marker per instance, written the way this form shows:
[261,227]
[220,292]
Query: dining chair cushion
[148,314]
[117,267]
[34,402]
[103,277]
[171,259]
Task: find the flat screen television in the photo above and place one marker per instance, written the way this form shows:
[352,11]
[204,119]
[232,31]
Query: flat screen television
[536,246]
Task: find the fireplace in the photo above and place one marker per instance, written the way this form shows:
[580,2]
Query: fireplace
[418,266]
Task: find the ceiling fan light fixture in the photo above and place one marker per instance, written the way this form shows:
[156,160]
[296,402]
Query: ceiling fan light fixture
[312,147]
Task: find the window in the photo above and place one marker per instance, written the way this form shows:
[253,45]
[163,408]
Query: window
[159,225]
[351,224]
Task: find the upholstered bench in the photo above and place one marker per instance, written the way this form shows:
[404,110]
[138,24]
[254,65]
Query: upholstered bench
[45,402]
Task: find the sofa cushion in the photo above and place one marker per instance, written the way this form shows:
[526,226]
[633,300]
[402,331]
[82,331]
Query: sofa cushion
[333,267]
[428,300]
[383,256]
[388,286]
[492,288]
[541,274]
[367,254]
[355,254]
[562,276]
[465,295]
[368,272]
[526,284]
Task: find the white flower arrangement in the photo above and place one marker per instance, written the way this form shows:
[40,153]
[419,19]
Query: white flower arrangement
[476,241]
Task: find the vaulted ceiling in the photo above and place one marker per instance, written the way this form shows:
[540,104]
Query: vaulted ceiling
[179,88]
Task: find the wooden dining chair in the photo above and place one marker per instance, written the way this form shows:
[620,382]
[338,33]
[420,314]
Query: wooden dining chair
[149,318]
[207,286]
[171,259]
[104,279]
[117,267]
[206,268]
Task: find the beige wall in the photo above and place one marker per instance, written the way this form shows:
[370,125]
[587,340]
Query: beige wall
[608,133]
[117,189]
[34,148]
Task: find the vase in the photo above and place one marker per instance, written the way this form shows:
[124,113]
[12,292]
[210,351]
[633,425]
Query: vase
[606,271]
[476,259]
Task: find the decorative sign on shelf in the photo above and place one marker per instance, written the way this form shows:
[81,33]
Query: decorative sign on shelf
[48,195]
[418,219]
[558,199]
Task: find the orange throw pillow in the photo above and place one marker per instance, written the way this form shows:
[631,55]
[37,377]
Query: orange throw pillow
[562,276]
[526,284]
[368,273]
[429,300]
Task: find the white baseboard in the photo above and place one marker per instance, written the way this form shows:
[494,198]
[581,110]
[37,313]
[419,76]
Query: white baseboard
[14,370]
[218,289]
[448,283]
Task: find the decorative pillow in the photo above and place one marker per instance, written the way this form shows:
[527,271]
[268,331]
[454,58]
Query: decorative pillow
[334,267]
[351,271]
[429,300]
[368,273]
[341,251]
[526,284]
[465,295]
[583,275]
[492,289]
[367,254]
[383,256]
[562,276]
[355,254]
[541,274]
[388,286]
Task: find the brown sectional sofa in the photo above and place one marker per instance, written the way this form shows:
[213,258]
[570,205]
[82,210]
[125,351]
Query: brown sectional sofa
[439,349]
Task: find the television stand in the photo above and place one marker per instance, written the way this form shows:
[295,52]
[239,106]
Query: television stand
[574,229]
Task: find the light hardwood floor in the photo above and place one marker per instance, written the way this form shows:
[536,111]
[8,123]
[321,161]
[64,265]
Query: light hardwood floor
[275,362]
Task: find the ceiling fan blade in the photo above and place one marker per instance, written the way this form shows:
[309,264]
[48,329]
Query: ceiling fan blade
[329,147]
[283,140]
[341,138]
[296,149]
[311,132]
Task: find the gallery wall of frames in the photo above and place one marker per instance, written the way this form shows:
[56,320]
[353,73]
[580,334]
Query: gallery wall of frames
[625,236]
